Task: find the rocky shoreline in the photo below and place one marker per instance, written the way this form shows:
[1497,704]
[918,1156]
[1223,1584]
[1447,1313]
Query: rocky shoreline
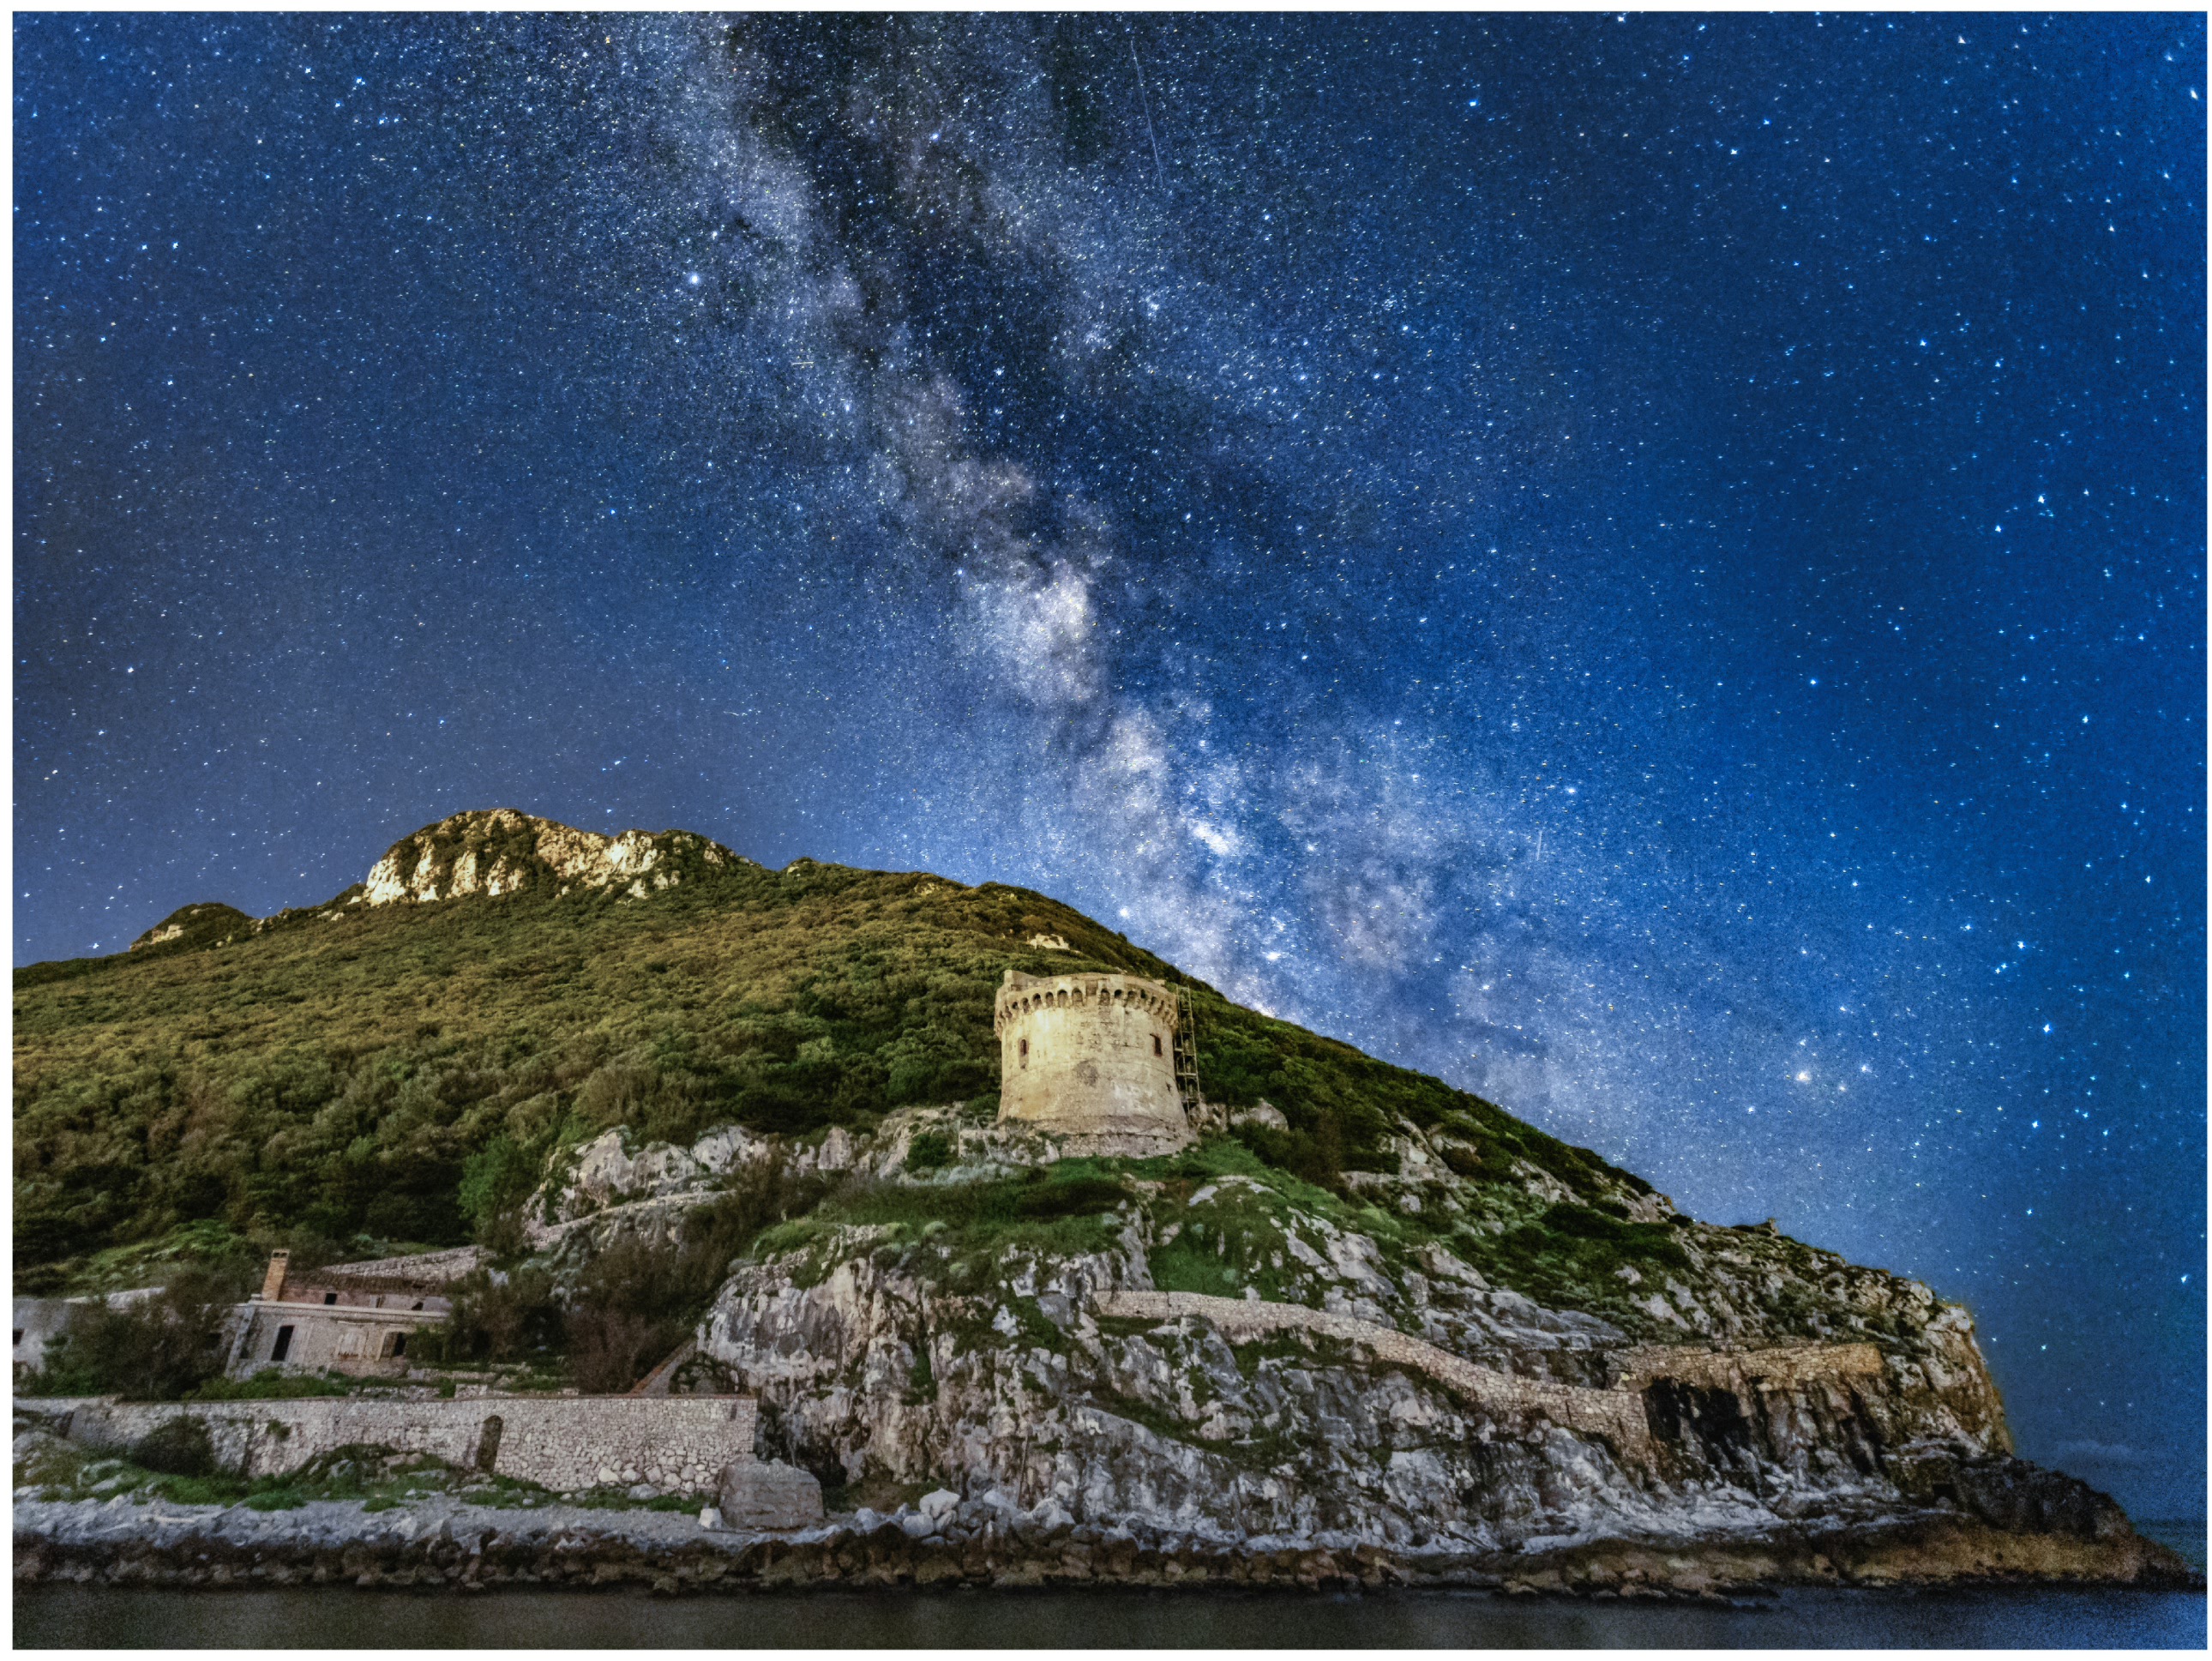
[472,1547]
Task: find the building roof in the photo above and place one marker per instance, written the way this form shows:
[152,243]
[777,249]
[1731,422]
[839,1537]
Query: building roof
[418,1271]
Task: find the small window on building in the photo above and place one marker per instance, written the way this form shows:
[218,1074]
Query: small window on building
[1156,1044]
[283,1347]
[329,1296]
[1026,1052]
[19,1335]
[400,1344]
[418,1302]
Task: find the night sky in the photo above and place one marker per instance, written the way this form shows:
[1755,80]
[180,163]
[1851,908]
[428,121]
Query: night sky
[1652,568]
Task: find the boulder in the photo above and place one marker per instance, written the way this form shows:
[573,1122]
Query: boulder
[763,1493]
[940,1506]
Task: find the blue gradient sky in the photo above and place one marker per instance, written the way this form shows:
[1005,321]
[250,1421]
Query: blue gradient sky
[1653,568]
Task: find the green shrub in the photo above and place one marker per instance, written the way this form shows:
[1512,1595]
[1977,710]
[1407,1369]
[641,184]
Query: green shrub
[1612,1237]
[1570,1256]
[495,1318]
[1072,1197]
[1060,1213]
[493,1179]
[611,1350]
[177,1447]
[930,1151]
[1463,1160]
[158,1349]
[270,1385]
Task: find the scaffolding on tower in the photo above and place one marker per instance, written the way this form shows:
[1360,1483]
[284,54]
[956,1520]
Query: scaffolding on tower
[1185,1056]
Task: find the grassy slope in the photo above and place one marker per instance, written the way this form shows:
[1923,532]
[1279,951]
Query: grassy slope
[406,1070]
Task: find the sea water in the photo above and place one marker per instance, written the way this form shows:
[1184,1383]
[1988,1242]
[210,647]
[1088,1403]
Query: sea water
[50,1616]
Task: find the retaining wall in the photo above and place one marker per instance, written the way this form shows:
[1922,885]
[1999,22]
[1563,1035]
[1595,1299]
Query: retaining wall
[674,1443]
[1616,1415]
[1783,1366]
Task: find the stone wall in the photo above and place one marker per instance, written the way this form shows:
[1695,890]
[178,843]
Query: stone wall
[674,1445]
[38,1322]
[1091,1057]
[1615,1416]
[1782,1366]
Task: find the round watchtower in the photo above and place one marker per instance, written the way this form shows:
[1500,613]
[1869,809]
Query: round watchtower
[1091,1058]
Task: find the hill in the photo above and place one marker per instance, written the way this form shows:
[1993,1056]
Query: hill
[744,1122]
[404,1060]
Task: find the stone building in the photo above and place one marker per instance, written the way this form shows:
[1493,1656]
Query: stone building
[40,1321]
[1091,1058]
[345,1317]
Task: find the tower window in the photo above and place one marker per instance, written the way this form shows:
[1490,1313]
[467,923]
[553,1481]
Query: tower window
[1156,1044]
[1026,1052]
[329,1296]
[283,1347]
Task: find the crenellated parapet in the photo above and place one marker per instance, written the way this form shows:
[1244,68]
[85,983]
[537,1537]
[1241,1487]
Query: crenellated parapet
[1020,995]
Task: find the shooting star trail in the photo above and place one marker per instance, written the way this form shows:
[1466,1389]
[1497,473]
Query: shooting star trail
[1157,163]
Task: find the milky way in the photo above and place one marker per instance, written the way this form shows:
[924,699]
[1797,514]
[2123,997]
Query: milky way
[1652,568]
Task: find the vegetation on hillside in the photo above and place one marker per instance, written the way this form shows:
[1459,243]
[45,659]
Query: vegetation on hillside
[407,1070]
[160,1348]
[631,1306]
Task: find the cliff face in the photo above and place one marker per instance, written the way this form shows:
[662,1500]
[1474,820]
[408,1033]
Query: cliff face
[504,852]
[1034,1338]
[488,852]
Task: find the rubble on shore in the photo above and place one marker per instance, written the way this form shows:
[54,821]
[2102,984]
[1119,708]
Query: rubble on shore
[119,1541]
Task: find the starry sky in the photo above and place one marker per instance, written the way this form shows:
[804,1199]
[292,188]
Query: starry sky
[1651,566]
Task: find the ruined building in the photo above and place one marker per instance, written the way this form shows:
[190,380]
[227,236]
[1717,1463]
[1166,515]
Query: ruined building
[349,1318]
[1093,1059]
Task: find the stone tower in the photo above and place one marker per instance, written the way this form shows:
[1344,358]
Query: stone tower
[1092,1059]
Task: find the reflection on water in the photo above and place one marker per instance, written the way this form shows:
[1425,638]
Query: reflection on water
[344,1618]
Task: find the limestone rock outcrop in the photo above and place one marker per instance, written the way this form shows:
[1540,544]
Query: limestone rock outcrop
[501,851]
[1371,1394]
[210,923]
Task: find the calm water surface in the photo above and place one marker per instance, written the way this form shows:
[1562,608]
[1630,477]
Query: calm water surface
[341,1618]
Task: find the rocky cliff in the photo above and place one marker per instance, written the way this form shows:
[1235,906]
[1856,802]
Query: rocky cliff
[503,852]
[966,1314]
[1365,1310]
[485,852]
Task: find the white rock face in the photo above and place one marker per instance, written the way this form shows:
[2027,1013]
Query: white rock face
[503,852]
[608,1189]
[606,1174]
[884,1355]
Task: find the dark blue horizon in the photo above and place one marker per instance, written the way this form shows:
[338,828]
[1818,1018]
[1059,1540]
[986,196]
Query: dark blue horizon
[1651,567]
